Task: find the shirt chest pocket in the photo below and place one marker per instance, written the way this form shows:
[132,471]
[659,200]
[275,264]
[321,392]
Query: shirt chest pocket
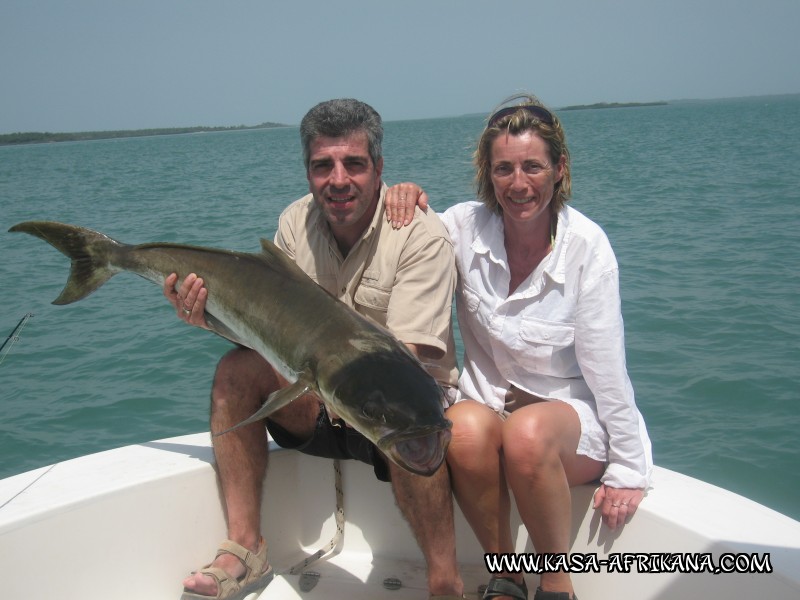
[547,347]
[476,312]
[372,301]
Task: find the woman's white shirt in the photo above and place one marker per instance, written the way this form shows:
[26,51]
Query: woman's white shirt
[559,335]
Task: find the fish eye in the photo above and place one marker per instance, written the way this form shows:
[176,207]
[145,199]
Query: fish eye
[375,406]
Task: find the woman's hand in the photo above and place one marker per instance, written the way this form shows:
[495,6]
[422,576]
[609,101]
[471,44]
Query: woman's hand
[618,504]
[517,398]
[401,200]
[189,299]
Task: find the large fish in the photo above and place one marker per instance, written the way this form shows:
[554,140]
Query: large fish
[267,303]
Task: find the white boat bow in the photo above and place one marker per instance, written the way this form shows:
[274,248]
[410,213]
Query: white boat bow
[130,523]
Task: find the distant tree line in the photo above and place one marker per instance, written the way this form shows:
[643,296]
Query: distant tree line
[611,105]
[39,138]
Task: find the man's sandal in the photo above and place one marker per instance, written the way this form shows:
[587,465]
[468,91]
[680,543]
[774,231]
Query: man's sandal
[255,578]
[542,595]
[505,586]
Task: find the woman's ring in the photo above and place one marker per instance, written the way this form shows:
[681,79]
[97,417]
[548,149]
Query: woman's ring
[615,506]
[186,311]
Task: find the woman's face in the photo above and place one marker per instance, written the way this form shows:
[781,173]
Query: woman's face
[523,177]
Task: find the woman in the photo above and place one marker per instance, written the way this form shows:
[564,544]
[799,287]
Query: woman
[546,399]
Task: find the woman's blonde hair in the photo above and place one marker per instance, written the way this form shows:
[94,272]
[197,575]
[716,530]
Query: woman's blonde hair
[526,114]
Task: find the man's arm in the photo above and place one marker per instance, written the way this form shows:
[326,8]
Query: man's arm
[419,309]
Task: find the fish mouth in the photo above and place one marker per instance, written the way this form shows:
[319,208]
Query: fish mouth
[422,454]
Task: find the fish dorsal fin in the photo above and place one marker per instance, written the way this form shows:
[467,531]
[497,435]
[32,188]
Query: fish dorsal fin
[267,245]
[271,253]
[270,249]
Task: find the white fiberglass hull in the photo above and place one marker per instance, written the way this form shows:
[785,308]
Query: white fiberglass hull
[131,523]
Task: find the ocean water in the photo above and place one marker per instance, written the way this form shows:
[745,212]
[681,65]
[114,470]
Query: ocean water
[701,201]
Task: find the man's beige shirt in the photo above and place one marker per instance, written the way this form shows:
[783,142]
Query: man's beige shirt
[401,279]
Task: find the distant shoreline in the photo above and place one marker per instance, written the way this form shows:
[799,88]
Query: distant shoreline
[595,106]
[612,105]
[11,139]
[35,137]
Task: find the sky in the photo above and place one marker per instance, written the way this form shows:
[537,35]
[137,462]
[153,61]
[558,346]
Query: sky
[95,65]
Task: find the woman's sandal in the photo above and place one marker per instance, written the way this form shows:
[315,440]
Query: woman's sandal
[255,578]
[505,586]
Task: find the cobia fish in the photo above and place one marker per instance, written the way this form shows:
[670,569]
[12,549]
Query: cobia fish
[267,303]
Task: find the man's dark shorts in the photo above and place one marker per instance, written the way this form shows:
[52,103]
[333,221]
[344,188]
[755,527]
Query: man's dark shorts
[332,441]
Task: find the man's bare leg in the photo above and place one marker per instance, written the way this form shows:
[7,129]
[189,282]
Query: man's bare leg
[240,386]
[427,505]
[243,381]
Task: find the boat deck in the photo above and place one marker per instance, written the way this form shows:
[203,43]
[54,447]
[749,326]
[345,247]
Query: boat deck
[348,576]
[131,523]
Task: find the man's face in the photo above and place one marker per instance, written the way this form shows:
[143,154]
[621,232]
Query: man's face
[344,181]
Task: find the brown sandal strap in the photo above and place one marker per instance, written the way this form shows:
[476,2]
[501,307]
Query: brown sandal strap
[226,585]
[254,563]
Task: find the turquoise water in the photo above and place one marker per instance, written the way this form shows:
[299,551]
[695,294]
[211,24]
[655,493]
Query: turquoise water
[701,201]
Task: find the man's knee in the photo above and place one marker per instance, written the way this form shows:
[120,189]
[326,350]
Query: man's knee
[243,371]
[299,417]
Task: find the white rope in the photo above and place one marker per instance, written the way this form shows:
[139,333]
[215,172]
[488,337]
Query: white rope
[338,536]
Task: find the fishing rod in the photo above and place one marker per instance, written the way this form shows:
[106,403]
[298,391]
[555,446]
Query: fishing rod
[13,337]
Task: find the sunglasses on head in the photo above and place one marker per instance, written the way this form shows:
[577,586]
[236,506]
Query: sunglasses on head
[539,112]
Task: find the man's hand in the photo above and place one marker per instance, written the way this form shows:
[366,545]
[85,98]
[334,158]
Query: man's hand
[401,199]
[189,299]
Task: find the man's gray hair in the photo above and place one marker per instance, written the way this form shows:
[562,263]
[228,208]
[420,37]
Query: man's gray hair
[340,118]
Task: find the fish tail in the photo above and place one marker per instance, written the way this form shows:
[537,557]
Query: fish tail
[90,252]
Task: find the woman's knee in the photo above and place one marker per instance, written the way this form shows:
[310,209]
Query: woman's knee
[530,438]
[475,433]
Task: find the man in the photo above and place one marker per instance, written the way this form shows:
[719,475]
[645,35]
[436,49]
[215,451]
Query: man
[403,279]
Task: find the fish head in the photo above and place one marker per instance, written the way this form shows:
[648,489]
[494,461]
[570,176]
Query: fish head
[421,453]
[390,399]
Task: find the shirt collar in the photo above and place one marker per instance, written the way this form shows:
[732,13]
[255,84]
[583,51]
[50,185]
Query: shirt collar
[556,266]
[380,212]
[490,241]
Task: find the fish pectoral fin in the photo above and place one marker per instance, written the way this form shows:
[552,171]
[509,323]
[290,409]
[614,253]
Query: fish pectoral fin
[222,330]
[276,400]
